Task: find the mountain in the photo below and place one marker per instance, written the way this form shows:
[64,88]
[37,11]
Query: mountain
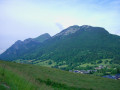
[19,48]
[73,46]
[42,37]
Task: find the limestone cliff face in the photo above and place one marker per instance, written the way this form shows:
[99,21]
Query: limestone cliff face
[69,30]
[75,28]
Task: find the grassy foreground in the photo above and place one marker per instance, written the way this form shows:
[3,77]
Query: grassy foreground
[14,76]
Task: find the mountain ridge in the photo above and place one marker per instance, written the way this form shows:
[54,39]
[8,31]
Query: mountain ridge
[26,45]
[75,28]
[76,44]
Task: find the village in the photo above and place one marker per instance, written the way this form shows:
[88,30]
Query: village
[116,76]
[87,71]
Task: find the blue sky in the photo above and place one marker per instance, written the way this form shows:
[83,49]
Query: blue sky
[21,19]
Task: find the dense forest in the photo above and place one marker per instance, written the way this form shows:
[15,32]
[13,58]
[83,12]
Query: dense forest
[73,46]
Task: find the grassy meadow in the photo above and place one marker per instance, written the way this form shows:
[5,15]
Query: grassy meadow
[16,76]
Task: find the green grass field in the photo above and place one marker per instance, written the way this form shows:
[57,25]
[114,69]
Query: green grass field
[15,76]
[103,63]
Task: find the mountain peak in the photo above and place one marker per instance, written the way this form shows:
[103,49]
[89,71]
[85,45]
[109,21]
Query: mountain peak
[46,35]
[75,28]
[69,30]
[73,42]
[85,26]
[42,37]
[18,42]
[27,40]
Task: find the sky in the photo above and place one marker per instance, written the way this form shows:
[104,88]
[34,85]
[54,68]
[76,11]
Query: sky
[22,19]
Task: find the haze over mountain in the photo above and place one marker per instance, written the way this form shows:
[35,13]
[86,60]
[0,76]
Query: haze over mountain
[37,17]
[22,47]
[59,44]
[72,46]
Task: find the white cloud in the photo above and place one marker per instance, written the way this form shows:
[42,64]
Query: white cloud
[60,26]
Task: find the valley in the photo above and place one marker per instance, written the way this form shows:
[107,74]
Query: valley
[77,58]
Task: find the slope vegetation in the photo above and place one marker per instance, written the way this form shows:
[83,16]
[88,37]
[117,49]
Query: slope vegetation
[72,47]
[30,77]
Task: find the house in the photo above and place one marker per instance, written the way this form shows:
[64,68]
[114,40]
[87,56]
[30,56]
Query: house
[91,71]
[84,72]
[70,71]
[81,71]
[109,76]
[117,76]
[100,67]
[76,71]
[97,68]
